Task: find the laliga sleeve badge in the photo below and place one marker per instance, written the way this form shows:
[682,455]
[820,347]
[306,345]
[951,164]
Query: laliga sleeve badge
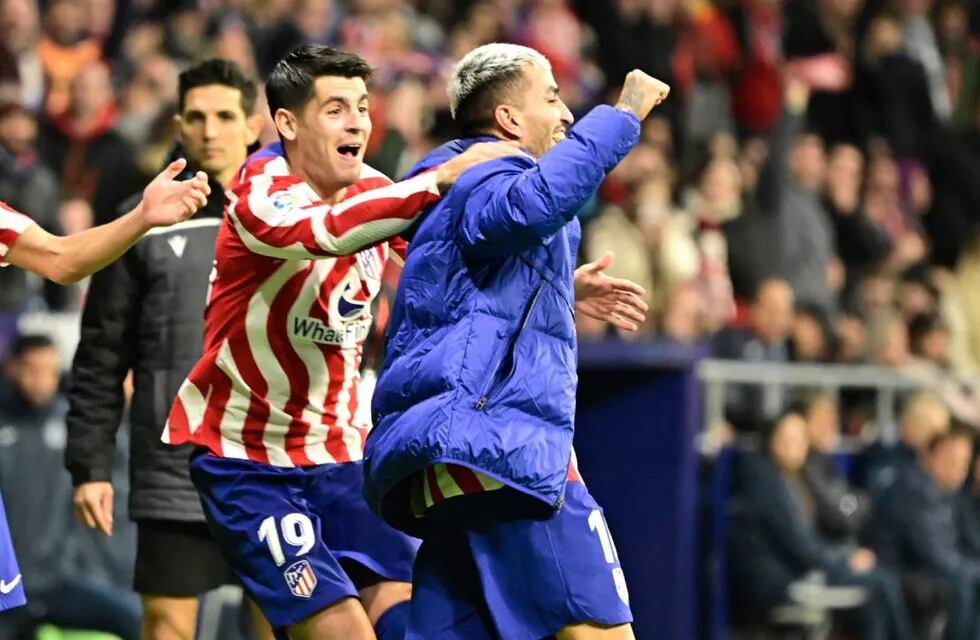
[300,578]
[285,200]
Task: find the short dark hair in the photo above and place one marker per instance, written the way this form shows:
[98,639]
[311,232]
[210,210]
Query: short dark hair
[218,71]
[30,342]
[290,85]
[474,114]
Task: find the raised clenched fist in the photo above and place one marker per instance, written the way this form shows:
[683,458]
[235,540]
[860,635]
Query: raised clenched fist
[641,93]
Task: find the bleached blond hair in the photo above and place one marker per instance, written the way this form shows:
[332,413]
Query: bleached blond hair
[487,64]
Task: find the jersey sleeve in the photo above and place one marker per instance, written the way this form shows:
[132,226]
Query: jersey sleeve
[12,225]
[281,216]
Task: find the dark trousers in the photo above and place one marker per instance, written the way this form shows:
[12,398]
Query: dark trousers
[884,615]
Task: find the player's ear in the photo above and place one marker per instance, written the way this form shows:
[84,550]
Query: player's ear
[508,120]
[286,124]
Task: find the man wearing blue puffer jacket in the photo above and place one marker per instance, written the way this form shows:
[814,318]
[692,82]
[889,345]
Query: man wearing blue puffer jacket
[474,410]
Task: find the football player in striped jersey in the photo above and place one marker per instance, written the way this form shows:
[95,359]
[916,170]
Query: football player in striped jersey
[272,404]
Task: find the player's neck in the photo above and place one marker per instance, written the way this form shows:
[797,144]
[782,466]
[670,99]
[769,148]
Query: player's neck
[331,192]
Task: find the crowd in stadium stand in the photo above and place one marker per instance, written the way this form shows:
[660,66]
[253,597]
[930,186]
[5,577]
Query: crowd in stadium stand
[809,193]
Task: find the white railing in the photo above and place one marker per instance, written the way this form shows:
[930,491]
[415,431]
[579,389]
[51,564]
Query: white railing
[830,378]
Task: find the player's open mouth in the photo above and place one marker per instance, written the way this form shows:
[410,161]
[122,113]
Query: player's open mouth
[349,150]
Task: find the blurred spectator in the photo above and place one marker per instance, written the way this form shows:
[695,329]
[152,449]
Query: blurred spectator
[64,51]
[94,162]
[19,60]
[764,340]
[930,366]
[773,541]
[707,56]
[71,580]
[921,45]
[810,262]
[923,417]
[921,530]
[683,317]
[716,200]
[888,340]
[852,338]
[28,186]
[634,34]
[840,511]
[400,137]
[757,94]
[885,208]
[150,94]
[783,230]
[894,89]
[811,339]
[961,310]
[614,228]
[861,245]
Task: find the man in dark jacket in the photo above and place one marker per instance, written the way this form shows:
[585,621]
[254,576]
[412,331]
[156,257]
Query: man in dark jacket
[478,392]
[923,417]
[921,527]
[144,314]
[72,578]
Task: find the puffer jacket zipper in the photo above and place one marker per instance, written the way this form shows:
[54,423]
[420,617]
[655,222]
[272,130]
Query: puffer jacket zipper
[492,383]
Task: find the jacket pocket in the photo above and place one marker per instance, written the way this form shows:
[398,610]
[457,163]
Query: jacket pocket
[502,371]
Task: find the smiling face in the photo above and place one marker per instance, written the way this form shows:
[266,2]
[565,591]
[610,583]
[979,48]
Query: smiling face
[539,119]
[326,139]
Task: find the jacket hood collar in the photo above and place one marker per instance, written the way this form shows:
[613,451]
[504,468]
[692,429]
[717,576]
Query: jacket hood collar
[446,152]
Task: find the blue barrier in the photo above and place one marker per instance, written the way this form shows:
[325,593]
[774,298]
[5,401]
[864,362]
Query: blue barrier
[639,412]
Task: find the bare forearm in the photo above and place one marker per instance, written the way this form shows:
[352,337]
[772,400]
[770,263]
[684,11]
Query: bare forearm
[88,251]
[68,259]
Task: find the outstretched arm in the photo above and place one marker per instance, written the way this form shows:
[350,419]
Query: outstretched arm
[515,205]
[280,216]
[68,259]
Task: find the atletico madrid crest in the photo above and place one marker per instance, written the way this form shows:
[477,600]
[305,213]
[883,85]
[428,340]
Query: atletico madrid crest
[300,578]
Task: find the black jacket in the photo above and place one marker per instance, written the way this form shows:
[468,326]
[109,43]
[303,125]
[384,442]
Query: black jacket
[922,529]
[841,511]
[144,313]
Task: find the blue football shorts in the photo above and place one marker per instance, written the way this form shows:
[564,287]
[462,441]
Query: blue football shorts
[290,533]
[519,579]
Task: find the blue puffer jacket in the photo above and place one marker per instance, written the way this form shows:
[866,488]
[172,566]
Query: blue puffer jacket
[480,363]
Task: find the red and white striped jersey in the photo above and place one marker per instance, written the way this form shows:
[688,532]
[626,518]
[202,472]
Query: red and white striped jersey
[12,224]
[288,311]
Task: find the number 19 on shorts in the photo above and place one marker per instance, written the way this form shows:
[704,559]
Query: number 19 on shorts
[598,524]
[297,531]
